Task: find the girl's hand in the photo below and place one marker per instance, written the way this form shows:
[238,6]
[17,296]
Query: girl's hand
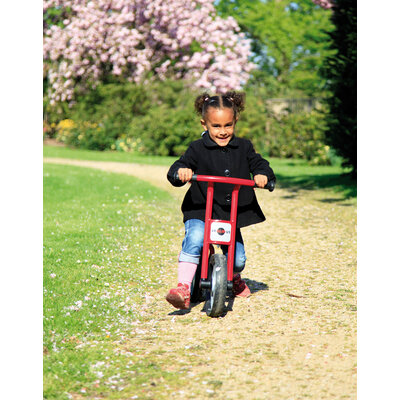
[185,174]
[261,180]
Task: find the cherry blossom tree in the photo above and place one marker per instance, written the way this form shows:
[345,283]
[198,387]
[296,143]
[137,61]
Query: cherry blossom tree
[325,3]
[86,42]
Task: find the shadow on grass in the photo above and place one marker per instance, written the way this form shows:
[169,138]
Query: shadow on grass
[181,312]
[342,184]
[255,286]
[184,312]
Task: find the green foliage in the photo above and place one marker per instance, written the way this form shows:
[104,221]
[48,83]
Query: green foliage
[170,124]
[166,131]
[289,42]
[159,119]
[112,104]
[341,70]
[102,116]
[288,135]
[87,135]
[55,16]
[252,121]
[296,135]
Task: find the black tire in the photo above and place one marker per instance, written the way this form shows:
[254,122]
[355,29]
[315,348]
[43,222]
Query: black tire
[218,275]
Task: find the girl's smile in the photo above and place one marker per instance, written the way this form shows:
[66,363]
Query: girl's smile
[220,123]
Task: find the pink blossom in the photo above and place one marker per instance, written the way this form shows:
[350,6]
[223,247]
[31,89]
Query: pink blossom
[136,36]
[325,3]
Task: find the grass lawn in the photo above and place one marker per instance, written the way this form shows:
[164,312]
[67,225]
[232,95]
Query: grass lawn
[105,242]
[298,174]
[80,154]
[293,174]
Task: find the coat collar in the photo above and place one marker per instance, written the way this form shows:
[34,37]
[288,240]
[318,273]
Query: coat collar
[208,142]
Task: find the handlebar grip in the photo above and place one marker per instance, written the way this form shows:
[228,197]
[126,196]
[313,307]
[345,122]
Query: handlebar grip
[270,186]
[176,177]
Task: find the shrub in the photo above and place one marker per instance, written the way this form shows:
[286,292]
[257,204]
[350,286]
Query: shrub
[49,129]
[113,102]
[252,122]
[64,130]
[159,119]
[170,124]
[166,131]
[86,135]
[101,117]
[296,135]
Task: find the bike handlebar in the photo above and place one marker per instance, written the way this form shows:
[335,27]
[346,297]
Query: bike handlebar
[223,179]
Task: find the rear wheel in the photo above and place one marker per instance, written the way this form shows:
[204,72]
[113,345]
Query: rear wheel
[218,274]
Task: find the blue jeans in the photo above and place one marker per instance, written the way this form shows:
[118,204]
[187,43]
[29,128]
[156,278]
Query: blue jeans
[193,243]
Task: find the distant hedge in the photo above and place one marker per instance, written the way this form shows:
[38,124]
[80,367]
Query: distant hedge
[297,135]
[159,119]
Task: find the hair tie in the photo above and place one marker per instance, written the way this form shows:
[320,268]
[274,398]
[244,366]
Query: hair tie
[206,98]
[230,98]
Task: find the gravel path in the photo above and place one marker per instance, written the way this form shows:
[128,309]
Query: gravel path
[295,337]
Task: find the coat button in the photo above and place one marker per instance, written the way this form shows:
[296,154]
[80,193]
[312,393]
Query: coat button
[228,198]
[227,172]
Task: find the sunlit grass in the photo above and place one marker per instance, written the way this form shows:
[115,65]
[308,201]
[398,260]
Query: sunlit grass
[118,156]
[105,243]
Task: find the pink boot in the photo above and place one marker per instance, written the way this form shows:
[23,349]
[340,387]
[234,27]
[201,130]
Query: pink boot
[179,297]
[239,287]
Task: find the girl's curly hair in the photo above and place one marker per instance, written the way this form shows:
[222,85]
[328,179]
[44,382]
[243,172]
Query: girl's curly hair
[232,99]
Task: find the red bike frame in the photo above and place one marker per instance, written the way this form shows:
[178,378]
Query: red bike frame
[237,182]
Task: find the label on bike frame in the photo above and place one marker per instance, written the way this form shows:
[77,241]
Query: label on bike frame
[220,232]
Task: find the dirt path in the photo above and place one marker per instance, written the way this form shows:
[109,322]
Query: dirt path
[295,337]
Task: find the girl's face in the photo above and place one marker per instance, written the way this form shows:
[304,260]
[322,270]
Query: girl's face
[220,123]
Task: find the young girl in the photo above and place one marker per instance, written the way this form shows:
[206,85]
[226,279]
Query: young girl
[219,152]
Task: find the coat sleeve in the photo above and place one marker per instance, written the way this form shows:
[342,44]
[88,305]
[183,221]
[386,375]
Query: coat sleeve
[187,160]
[259,165]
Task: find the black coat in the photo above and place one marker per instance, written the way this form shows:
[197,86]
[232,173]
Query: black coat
[238,160]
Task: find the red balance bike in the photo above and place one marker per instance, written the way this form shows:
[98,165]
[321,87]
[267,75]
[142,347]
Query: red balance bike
[213,281]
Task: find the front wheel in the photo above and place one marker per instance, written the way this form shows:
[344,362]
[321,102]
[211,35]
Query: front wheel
[217,270]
